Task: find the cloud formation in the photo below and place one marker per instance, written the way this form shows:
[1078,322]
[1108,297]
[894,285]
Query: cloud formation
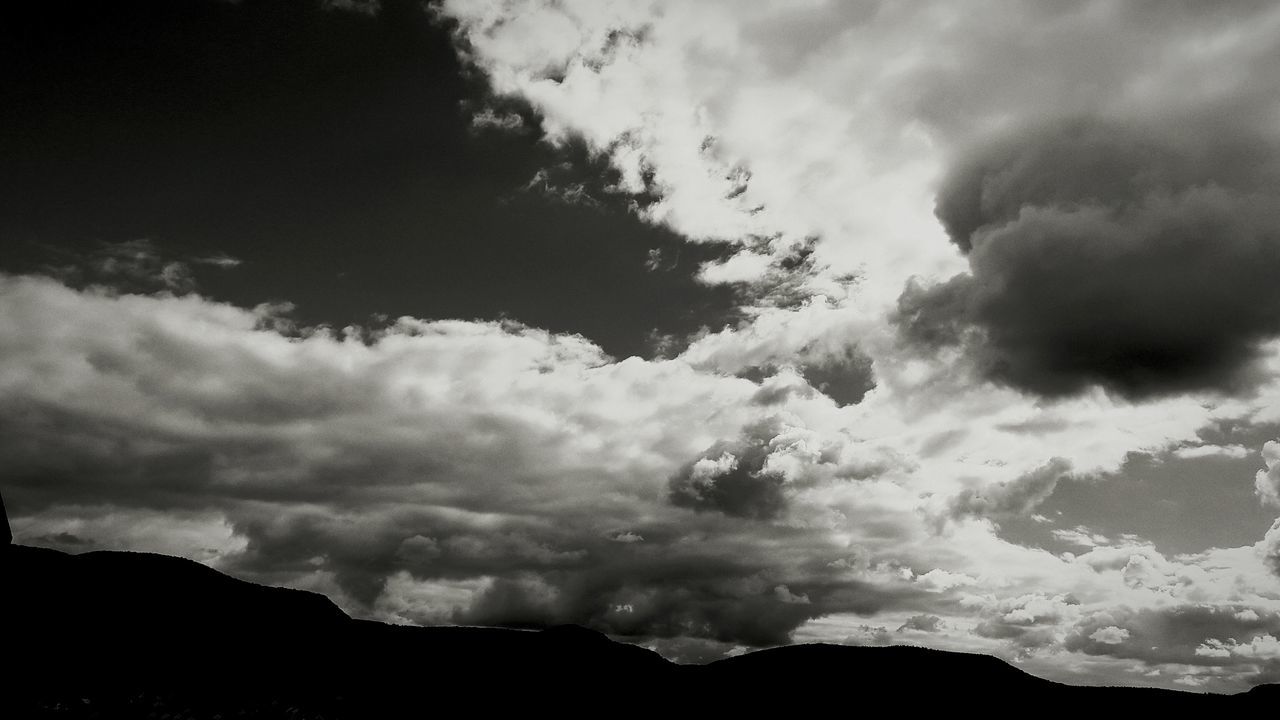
[472,472]
[1129,256]
[731,477]
[490,473]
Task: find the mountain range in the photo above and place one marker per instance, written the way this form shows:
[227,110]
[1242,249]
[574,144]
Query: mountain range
[123,635]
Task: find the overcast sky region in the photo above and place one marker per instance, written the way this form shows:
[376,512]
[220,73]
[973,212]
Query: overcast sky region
[710,325]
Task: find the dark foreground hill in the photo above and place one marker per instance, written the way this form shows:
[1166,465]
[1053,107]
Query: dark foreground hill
[125,635]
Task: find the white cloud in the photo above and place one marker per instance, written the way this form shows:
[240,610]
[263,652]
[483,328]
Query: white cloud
[1261,647]
[1081,536]
[1267,482]
[1110,635]
[1200,451]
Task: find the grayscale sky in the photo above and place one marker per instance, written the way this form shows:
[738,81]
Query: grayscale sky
[711,325]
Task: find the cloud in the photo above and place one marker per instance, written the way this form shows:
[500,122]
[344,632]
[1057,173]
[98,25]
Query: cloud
[131,266]
[1019,497]
[1028,622]
[1269,548]
[830,120]
[1110,635]
[1200,451]
[1080,536]
[730,477]
[922,623]
[1133,257]
[365,7]
[1185,634]
[845,377]
[1267,482]
[1261,647]
[474,472]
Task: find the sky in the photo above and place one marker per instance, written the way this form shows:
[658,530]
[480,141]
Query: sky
[712,326]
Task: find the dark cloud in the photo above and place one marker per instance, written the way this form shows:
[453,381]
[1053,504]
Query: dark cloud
[1138,257]
[845,376]
[674,597]
[539,575]
[1022,637]
[730,477]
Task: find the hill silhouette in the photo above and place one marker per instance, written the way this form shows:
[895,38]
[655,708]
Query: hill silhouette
[124,635]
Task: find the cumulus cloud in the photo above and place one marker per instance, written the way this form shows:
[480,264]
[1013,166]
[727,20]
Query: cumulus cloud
[1118,234]
[922,623]
[1131,257]
[1110,635]
[1261,647]
[1026,622]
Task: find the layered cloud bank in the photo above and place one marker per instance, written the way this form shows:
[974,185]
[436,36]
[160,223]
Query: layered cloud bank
[867,458]
[447,471]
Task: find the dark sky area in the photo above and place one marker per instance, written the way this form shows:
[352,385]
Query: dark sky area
[333,153]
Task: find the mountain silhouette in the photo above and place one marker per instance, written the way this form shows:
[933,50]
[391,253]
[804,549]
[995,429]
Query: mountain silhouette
[125,635]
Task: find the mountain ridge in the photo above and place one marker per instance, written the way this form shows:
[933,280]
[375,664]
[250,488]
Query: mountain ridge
[123,634]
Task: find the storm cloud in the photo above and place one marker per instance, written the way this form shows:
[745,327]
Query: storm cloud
[1136,257]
